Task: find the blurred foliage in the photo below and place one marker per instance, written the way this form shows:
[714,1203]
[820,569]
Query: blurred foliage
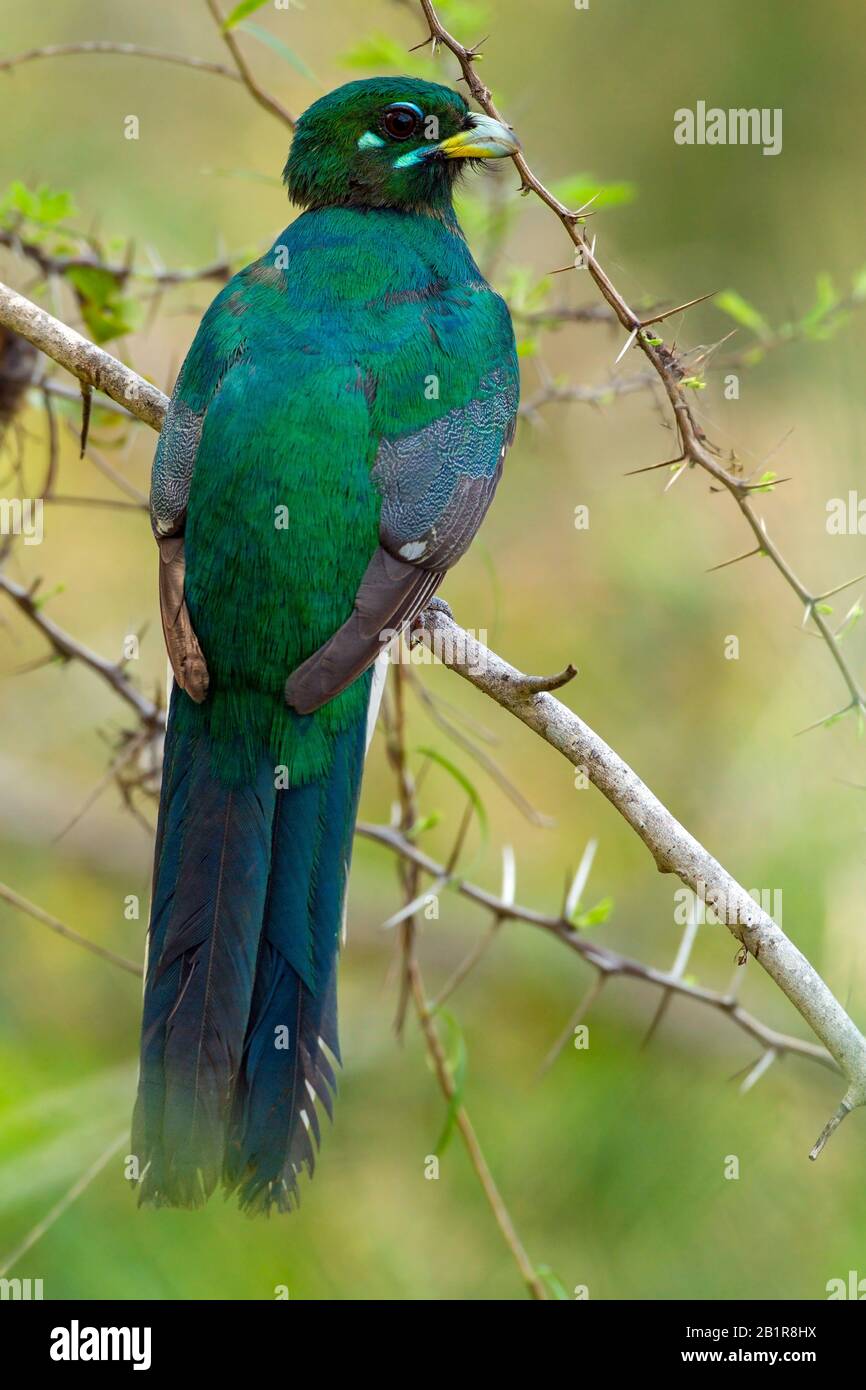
[613,1164]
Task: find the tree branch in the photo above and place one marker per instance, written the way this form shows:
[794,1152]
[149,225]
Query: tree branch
[83,359]
[606,962]
[672,847]
[694,446]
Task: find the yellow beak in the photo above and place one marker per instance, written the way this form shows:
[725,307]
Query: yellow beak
[487,139]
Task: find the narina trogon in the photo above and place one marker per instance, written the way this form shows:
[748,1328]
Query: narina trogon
[333,442]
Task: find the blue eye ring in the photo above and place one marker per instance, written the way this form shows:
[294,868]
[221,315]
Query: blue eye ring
[401,120]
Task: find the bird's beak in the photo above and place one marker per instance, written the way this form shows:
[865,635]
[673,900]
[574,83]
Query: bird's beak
[485,139]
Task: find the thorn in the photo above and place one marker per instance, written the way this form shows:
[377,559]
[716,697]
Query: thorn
[575,892]
[819,598]
[820,723]
[627,344]
[509,876]
[651,467]
[674,477]
[762,1065]
[747,554]
[759,487]
[589,202]
[668,313]
[830,1127]
[657,1019]
[580,1012]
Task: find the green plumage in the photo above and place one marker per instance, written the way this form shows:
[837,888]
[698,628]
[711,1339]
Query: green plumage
[346,404]
[315,363]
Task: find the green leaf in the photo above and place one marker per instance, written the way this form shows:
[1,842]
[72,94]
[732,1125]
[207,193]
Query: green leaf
[765,483]
[577,189]
[826,300]
[552,1282]
[103,307]
[44,205]
[277,45]
[461,16]
[241,11]
[744,313]
[456,1059]
[463,781]
[595,915]
[380,53]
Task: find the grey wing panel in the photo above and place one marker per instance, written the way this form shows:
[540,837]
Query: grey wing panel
[438,483]
[173,467]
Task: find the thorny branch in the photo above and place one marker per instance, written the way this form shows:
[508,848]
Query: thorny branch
[672,847]
[604,961]
[695,448]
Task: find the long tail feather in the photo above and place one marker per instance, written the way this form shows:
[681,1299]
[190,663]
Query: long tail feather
[208,904]
[240,1016]
[286,1069]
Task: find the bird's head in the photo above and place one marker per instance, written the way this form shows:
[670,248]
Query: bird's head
[393,142]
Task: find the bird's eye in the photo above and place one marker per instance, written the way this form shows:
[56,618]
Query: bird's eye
[401,121]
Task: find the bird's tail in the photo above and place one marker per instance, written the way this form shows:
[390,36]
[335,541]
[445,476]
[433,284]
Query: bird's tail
[240,989]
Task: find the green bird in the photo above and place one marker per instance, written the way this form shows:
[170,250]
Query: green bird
[335,437]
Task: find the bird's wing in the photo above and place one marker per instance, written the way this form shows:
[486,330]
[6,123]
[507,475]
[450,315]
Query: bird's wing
[210,358]
[436,485]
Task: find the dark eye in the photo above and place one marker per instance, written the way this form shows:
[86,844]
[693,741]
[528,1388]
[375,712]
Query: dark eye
[401,121]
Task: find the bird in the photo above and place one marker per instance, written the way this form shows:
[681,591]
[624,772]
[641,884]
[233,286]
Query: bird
[335,437]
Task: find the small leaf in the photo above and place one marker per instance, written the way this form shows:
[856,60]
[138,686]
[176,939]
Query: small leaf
[595,915]
[578,189]
[241,11]
[381,52]
[743,313]
[765,483]
[277,45]
[462,780]
[103,307]
[552,1282]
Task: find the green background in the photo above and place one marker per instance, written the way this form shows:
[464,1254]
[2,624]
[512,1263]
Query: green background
[613,1164]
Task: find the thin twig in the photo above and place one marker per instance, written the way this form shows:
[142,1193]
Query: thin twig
[61,1207]
[258,93]
[23,905]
